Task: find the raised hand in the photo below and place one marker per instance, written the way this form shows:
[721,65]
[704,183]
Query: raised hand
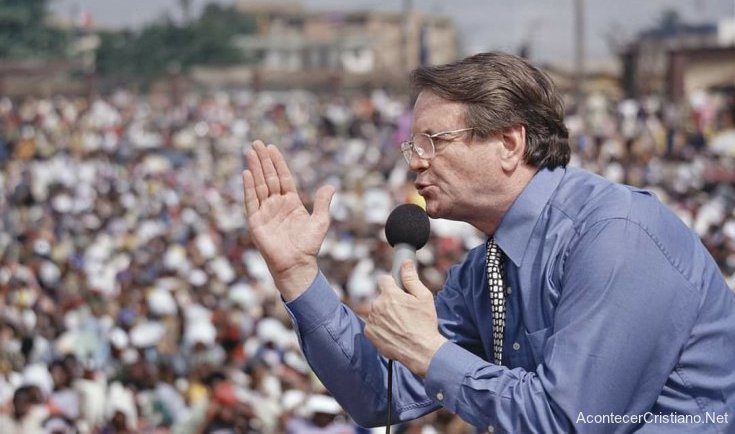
[287,235]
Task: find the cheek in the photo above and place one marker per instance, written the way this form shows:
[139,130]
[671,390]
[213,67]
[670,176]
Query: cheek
[453,182]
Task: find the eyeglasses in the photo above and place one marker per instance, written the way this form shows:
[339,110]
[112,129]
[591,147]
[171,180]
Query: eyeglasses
[423,144]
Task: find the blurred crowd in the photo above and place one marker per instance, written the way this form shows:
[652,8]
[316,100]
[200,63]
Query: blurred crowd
[132,297]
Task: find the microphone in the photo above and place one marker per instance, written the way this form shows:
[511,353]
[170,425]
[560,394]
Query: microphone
[407,230]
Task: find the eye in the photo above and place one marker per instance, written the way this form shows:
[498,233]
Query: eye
[446,137]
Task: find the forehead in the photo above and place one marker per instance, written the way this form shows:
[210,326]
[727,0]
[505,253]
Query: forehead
[432,113]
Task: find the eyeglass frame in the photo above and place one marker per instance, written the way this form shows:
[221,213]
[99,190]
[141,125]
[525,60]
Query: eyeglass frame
[408,147]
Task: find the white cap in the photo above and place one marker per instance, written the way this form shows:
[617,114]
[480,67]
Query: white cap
[66,343]
[161,302]
[271,330]
[222,269]
[243,295]
[200,332]
[322,404]
[118,338]
[39,376]
[197,277]
[292,399]
[146,334]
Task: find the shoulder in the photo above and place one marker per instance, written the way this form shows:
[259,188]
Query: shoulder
[588,199]
[627,221]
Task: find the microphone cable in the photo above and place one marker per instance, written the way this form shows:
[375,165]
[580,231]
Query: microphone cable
[390,396]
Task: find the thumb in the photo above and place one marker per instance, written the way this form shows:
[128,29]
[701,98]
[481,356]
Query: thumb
[410,279]
[322,200]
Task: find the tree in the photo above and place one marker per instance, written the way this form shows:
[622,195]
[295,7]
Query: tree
[24,31]
[160,46]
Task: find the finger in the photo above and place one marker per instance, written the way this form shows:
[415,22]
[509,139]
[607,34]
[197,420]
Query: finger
[256,168]
[251,198]
[288,185]
[410,279]
[387,285]
[269,170]
[322,200]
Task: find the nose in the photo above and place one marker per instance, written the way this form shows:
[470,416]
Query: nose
[418,164]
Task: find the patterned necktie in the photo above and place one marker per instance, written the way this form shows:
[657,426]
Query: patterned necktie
[495,282]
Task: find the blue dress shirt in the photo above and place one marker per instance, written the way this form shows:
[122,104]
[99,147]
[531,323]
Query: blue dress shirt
[618,320]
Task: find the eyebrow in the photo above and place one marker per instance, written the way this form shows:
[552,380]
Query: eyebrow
[442,132]
[431,131]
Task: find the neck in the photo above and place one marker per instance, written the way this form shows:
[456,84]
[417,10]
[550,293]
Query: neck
[489,218]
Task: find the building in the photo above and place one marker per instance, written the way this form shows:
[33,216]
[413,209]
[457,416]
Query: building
[676,59]
[708,69]
[295,47]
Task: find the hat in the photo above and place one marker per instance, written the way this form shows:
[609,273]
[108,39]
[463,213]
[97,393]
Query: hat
[322,404]
[201,331]
[39,376]
[66,343]
[243,295]
[222,269]
[198,277]
[161,302]
[271,330]
[118,338]
[292,399]
[175,258]
[147,334]
[58,424]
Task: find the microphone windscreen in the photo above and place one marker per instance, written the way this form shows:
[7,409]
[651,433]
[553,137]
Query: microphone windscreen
[407,224]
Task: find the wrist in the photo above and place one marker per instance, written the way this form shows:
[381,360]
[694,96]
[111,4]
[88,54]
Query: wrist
[293,281]
[431,347]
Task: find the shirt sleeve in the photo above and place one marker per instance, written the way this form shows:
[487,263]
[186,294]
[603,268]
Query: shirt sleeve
[623,316]
[332,339]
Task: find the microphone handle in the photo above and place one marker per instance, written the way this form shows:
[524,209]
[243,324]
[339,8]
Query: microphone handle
[401,253]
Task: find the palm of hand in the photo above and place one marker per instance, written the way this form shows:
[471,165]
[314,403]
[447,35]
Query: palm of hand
[284,231]
[286,234]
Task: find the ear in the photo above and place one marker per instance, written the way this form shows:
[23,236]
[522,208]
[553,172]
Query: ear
[514,146]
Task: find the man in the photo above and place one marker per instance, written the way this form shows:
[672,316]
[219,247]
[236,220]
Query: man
[592,308]
[28,412]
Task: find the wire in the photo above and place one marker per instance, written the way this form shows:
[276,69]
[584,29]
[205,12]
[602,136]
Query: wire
[390,396]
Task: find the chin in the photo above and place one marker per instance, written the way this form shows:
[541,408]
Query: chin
[433,210]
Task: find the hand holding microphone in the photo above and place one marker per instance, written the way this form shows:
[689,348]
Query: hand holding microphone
[403,325]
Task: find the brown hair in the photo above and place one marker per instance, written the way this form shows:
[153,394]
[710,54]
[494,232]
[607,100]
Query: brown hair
[500,91]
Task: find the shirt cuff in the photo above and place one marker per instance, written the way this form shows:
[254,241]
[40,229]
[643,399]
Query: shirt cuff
[313,307]
[448,369]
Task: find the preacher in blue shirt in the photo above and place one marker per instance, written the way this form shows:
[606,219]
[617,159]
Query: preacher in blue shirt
[617,318]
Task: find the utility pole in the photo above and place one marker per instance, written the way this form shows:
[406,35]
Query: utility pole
[406,18]
[185,11]
[579,49]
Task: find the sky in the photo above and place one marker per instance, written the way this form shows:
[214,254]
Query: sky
[548,25]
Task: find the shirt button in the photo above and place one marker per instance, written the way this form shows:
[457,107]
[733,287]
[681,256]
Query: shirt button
[491,429]
[440,396]
[516,346]
[509,290]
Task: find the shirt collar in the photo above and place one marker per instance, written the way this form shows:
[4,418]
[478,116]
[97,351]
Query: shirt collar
[516,227]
